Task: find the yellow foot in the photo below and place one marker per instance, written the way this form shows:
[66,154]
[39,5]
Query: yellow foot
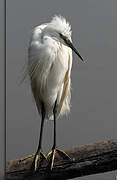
[38,158]
[51,156]
[27,157]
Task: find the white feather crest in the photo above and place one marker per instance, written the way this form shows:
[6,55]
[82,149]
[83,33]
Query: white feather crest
[60,24]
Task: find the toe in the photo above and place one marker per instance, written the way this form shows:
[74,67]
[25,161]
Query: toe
[63,154]
[37,158]
[51,157]
[28,157]
[42,156]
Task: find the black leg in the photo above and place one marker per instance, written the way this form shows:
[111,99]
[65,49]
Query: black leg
[51,155]
[54,112]
[39,154]
[53,152]
[42,125]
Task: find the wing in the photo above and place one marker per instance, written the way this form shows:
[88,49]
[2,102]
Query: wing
[32,65]
[66,88]
[34,50]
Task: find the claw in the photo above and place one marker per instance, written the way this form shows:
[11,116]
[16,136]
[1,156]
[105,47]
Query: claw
[48,155]
[42,155]
[63,154]
[36,161]
[51,156]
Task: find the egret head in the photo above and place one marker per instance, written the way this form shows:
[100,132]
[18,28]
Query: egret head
[60,29]
[60,26]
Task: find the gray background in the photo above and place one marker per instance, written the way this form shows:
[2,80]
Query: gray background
[93,116]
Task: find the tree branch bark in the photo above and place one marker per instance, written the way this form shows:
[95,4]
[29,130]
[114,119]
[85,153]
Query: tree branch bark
[89,159]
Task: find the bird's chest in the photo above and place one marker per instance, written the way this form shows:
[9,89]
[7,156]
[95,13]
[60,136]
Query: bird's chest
[52,72]
[56,73]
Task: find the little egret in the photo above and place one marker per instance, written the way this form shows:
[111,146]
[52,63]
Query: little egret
[49,68]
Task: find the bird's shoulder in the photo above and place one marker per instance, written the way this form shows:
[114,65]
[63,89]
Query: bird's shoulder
[37,32]
[35,43]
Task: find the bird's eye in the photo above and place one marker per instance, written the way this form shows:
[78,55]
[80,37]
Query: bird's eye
[62,36]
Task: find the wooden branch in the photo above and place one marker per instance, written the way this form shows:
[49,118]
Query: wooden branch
[89,159]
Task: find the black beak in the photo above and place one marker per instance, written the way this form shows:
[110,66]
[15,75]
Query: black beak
[69,43]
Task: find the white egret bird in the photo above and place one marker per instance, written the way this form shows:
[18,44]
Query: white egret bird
[49,67]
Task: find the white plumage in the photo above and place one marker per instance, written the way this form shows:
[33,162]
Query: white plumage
[49,66]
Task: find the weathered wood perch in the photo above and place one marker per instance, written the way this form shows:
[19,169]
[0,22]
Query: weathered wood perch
[88,159]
